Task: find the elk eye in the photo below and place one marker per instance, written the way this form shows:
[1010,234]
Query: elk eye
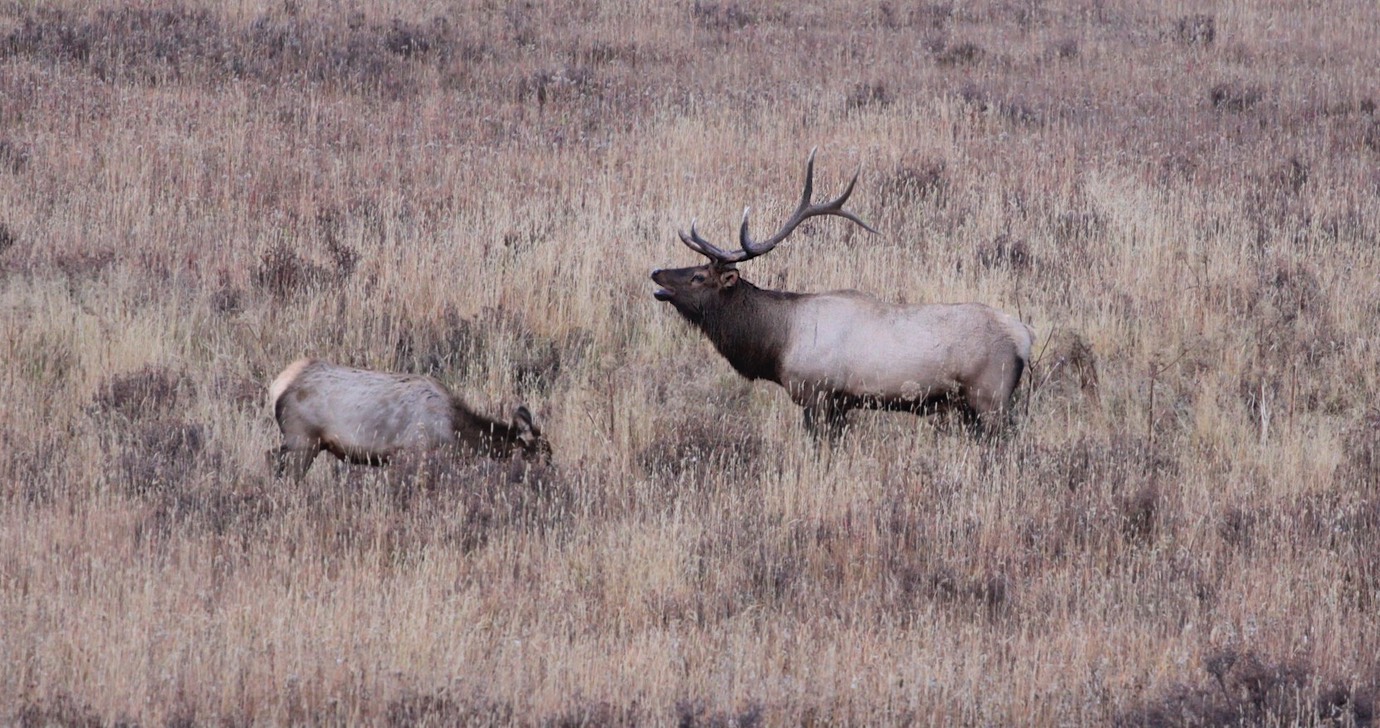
[697,278]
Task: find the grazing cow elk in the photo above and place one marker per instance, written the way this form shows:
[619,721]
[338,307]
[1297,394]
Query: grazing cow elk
[366,417]
[844,350]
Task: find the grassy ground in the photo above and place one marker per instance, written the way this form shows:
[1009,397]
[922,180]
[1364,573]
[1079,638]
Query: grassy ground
[1183,201]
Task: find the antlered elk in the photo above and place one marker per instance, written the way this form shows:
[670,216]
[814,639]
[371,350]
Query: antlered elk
[366,417]
[844,350]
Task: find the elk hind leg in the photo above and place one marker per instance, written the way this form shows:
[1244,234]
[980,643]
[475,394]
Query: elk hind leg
[988,411]
[294,458]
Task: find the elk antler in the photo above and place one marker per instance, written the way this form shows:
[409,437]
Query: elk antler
[803,211]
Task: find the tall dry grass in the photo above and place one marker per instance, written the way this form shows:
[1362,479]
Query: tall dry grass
[1182,201]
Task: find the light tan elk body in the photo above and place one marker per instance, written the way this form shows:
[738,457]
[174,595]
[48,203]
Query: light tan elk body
[844,350]
[366,417]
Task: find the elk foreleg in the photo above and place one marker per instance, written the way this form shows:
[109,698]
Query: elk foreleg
[825,419]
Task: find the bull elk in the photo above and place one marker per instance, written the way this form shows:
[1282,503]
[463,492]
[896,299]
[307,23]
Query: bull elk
[366,417]
[844,350]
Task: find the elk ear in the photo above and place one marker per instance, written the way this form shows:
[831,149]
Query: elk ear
[523,421]
[728,278]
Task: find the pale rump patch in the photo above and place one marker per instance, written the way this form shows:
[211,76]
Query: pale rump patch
[284,380]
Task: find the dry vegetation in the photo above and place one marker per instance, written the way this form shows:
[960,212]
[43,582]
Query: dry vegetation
[1183,200]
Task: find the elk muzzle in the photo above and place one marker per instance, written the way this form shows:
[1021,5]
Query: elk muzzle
[661,293]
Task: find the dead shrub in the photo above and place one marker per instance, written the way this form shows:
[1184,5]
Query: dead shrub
[1234,96]
[49,35]
[454,341]
[720,17]
[1240,687]
[551,86]
[45,359]
[141,44]
[1291,288]
[983,593]
[245,394]
[352,56]
[482,496]
[888,17]
[14,158]
[1362,460]
[913,183]
[536,361]
[959,54]
[410,40]
[1013,109]
[601,52]
[330,225]
[35,465]
[1177,167]
[440,708]
[1196,30]
[774,575]
[442,346]
[1344,520]
[1237,526]
[695,714]
[1004,252]
[867,95]
[1111,464]
[699,447]
[283,273]
[224,504]
[175,43]
[595,713]
[1078,229]
[923,16]
[160,457]
[83,264]
[59,710]
[522,27]
[1067,365]
[227,300]
[1139,512]
[1370,135]
[934,15]
[7,238]
[1290,177]
[151,392]
[748,560]
[150,43]
[1065,49]
[1260,389]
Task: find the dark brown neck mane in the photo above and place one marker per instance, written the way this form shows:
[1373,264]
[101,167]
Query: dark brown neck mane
[483,433]
[749,328]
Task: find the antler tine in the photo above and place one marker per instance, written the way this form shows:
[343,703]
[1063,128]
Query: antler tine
[743,233]
[695,242]
[835,206]
[809,181]
[803,211]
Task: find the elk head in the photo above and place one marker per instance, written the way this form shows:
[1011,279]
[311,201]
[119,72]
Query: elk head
[697,290]
[535,447]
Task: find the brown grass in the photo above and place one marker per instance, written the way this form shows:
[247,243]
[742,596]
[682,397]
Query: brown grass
[1184,530]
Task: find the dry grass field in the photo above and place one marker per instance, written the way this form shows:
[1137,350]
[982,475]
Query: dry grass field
[1183,199]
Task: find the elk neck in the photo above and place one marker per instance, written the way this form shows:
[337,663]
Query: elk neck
[749,327]
[482,432]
